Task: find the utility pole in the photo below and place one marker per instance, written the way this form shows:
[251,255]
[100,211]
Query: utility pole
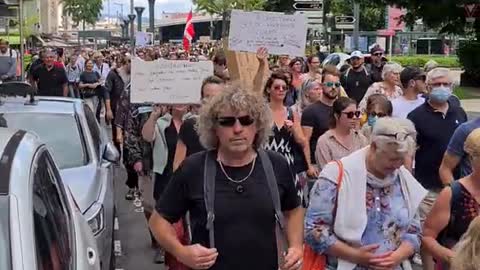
[22,45]
[356,29]
[131,17]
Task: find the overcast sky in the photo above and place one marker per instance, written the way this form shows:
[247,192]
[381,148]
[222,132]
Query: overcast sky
[160,5]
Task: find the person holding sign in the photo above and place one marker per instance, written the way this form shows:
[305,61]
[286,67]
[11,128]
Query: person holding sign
[188,141]
[161,130]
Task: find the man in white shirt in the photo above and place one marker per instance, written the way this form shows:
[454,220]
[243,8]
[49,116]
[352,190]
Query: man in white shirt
[413,82]
[8,62]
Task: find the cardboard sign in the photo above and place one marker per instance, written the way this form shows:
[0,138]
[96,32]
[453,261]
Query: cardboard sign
[168,81]
[279,33]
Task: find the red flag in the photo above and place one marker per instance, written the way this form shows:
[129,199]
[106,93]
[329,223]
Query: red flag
[189,33]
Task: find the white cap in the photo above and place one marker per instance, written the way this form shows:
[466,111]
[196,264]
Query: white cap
[358,54]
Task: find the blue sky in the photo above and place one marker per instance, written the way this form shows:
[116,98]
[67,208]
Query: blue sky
[160,5]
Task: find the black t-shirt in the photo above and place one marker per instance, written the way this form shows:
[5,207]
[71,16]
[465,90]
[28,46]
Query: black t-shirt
[316,116]
[434,131]
[244,222]
[50,82]
[189,136]
[356,83]
[171,137]
[90,77]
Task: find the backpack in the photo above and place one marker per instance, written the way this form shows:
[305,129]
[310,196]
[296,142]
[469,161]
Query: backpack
[209,198]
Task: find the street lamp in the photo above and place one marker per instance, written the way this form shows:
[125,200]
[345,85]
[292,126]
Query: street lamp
[131,17]
[139,11]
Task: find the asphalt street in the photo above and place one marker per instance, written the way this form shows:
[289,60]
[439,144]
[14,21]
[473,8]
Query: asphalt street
[132,241]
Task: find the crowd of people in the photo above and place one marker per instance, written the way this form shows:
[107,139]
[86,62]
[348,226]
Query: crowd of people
[372,165]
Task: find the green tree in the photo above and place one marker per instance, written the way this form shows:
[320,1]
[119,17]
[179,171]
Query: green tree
[446,15]
[372,15]
[84,11]
[222,7]
[279,5]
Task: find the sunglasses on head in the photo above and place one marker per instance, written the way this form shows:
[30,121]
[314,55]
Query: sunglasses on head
[332,84]
[379,114]
[229,121]
[350,115]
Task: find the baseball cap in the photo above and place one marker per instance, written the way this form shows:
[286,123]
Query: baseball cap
[411,73]
[376,49]
[357,54]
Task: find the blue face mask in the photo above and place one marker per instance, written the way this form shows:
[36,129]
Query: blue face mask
[440,94]
[372,120]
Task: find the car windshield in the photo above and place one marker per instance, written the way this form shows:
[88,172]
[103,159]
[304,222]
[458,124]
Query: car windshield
[59,131]
[5,257]
[332,59]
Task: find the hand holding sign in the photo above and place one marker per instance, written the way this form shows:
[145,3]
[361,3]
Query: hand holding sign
[168,82]
[279,33]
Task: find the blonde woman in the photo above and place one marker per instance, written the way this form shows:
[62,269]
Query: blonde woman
[467,250]
[456,207]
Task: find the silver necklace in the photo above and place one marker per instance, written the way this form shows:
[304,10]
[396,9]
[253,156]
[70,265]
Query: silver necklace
[239,187]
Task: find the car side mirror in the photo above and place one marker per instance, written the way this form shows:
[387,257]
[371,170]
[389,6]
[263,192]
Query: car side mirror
[111,153]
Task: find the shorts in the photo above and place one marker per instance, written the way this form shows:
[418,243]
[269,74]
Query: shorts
[427,204]
[145,184]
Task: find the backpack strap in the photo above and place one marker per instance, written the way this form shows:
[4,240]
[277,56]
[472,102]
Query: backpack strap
[456,194]
[272,186]
[339,185]
[210,171]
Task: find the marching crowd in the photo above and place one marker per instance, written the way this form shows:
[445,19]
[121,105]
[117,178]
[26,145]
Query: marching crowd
[359,167]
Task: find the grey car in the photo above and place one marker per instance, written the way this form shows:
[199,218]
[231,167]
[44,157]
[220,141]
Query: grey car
[40,225]
[82,151]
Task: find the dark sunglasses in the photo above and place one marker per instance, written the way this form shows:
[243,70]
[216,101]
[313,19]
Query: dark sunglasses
[229,121]
[350,115]
[379,115]
[332,84]
[378,54]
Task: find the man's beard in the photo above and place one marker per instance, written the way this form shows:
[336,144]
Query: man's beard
[330,96]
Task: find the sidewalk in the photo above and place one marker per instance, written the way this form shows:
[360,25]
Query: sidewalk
[471,105]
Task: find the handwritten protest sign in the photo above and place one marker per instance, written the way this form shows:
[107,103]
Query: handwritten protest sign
[279,33]
[168,82]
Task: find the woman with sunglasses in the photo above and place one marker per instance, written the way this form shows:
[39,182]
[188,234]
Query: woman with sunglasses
[378,106]
[287,137]
[341,139]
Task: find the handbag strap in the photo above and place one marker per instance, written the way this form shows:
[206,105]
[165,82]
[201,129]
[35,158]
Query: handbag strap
[339,185]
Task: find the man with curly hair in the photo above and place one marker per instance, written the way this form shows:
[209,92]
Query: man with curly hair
[234,125]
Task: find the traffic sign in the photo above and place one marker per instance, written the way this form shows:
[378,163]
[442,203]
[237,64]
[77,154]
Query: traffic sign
[313,17]
[344,22]
[308,5]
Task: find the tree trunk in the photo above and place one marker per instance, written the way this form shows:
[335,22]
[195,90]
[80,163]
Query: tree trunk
[224,24]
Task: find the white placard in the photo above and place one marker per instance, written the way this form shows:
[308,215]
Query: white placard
[143,39]
[168,81]
[279,33]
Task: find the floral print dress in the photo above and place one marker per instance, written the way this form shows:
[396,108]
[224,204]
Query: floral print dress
[388,222]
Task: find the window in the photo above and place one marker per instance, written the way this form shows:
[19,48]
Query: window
[94,130]
[51,217]
[64,138]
